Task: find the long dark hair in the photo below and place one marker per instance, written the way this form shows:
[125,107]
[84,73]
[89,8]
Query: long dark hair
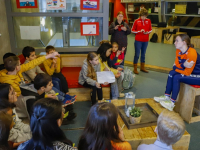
[4,94]
[101,128]
[102,51]
[44,126]
[5,124]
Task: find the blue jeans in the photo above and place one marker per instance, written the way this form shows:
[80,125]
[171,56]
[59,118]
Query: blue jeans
[116,87]
[56,82]
[140,46]
[173,83]
[61,95]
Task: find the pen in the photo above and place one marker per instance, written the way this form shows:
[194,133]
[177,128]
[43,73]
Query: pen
[123,126]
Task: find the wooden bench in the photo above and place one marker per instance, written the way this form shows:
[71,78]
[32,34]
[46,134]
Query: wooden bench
[188,95]
[70,67]
[147,135]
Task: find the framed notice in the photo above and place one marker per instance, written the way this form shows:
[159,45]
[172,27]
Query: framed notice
[26,3]
[56,4]
[89,4]
[30,32]
[130,8]
[180,9]
[89,28]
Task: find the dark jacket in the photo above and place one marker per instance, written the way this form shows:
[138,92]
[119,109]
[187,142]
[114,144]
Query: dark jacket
[119,36]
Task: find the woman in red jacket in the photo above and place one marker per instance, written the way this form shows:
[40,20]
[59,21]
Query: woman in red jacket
[141,28]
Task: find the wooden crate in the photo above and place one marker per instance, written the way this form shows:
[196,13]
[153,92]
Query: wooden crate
[147,135]
[169,38]
[186,102]
[154,30]
[181,33]
[196,41]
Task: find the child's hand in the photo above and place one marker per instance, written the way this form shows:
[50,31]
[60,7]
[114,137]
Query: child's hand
[121,133]
[51,96]
[123,49]
[119,69]
[53,55]
[118,53]
[98,85]
[188,64]
[118,75]
[55,60]
[105,83]
[106,69]
[120,61]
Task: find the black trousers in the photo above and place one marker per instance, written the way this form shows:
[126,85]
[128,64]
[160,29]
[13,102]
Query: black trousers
[93,93]
[63,82]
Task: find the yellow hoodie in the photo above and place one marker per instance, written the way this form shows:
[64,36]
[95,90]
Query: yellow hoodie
[15,80]
[47,65]
[105,65]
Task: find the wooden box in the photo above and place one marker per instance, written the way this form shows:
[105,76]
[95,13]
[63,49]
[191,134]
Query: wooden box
[196,41]
[169,38]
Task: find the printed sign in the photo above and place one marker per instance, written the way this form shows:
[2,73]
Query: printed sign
[56,4]
[26,3]
[90,4]
[89,28]
[30,32]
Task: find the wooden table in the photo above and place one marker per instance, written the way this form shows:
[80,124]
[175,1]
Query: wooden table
[147,135]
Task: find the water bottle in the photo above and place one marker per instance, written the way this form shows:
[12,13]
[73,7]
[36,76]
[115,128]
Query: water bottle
[129,100]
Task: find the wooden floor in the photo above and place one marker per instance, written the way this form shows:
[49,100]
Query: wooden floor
[147,135]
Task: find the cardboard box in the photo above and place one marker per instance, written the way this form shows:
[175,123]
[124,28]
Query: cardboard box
[180,9]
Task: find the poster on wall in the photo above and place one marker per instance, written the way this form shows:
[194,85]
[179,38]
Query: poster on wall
[56,4]
[89,28]
[26,3]
[130,8]
[30,32]
[89,4]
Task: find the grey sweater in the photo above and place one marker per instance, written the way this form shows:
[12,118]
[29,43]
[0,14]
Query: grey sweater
[30,74]
[83,74]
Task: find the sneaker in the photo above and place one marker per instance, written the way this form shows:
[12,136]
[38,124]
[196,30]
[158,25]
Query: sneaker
[71,116]
[121,95]
[168,104]
[67,96]
[162,98]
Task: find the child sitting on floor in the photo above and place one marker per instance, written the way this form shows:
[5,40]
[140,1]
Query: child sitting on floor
[88,77]
[43,85]
[29,55]
[20,131]
[13,75]
[102,131]
[170,128]
[6,123]
[117,57]
[52,67]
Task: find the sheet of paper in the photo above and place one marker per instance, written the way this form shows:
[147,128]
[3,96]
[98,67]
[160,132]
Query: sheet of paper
[30,32]
[105,76]
[156,9]
[89,29]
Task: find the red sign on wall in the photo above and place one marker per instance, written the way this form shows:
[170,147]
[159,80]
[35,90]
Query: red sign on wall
[89,28]
[89,4]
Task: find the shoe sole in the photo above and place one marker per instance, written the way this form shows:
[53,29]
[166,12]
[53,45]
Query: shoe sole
[166,107]
[64,105]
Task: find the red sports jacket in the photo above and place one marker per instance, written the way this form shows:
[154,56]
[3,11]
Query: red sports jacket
[138,25]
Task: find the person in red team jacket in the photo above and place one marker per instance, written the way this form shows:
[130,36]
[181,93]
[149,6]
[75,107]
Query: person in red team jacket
[141,28]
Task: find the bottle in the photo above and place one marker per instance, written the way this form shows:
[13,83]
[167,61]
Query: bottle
[129,100]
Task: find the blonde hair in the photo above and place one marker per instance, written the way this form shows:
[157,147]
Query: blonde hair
[91,72]
[120,12]
[104,41]
[143,12]
[170,127]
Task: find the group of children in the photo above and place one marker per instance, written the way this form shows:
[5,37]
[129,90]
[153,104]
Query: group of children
[50,103]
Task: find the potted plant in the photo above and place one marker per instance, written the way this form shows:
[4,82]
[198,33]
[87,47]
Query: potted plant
[135,115]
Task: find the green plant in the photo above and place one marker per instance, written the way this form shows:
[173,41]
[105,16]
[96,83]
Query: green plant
[135,112]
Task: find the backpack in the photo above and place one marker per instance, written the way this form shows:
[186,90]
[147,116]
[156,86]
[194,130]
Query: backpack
[154,38]
[129,79]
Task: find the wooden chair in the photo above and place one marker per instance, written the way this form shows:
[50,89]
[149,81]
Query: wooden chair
[189,96]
